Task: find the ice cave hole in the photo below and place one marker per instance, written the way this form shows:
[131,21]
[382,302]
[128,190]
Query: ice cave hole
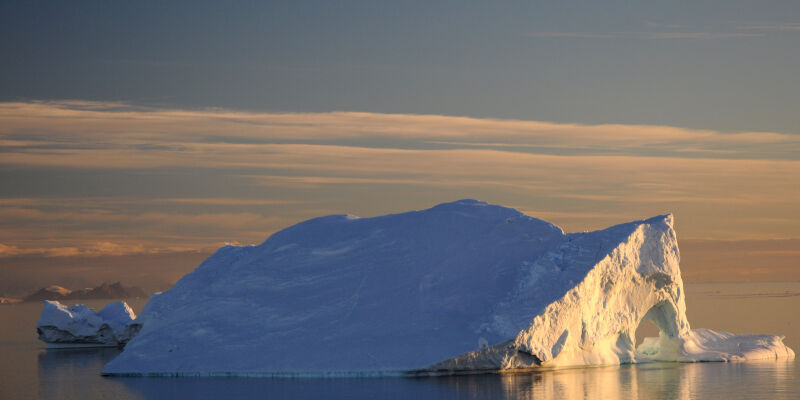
[659,318]
[645,329]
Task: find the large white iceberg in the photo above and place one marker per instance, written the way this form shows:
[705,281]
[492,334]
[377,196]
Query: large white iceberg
[462,286]
[80,326]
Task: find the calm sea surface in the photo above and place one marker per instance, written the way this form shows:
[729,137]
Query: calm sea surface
[29,371]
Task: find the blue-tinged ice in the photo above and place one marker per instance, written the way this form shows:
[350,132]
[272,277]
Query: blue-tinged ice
[462,286]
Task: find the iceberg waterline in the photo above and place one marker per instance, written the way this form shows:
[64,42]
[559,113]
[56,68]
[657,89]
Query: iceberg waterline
[463,286]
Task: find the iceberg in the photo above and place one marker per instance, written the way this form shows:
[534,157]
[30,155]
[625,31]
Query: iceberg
[80,326]
[461,287]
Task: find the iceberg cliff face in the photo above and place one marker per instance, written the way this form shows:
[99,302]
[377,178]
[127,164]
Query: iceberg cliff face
[460,286]
[595,322]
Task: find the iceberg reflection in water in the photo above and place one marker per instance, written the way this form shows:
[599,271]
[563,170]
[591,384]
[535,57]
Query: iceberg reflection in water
[769,379]
[28,371]
[73,374]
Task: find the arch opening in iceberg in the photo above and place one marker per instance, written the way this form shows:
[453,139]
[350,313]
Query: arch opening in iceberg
[663,316]
[645,329]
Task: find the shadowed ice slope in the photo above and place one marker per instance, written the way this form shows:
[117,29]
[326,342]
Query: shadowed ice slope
[461,286]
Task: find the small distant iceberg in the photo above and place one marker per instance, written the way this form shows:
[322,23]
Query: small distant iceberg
[461,287]
[80,326]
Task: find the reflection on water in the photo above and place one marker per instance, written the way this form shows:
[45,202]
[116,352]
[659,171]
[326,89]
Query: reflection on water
[55,361]
[73,374]
[771,379]
[28,371]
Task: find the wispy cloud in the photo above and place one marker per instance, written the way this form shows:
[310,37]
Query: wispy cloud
[281,168]
[578,35]
[773,27]
[58,227]
[740,260]
[648,35]
[662,25]
[89,250]
[695,35]
[60,134]
[227,201]
[661,30]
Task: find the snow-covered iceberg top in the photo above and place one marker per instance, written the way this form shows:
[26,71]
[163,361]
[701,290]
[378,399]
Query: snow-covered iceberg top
[79,325]
[462,286]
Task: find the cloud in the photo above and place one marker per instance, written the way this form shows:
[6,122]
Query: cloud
[72,226]
[773,27]
[255,173]
[6,250]
[53,134]
[695,35]
[96,249]
[647,35]
[665,31]
[579,35]
[227,201]
[740,260]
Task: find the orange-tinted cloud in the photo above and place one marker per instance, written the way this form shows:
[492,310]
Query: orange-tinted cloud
[299,165]
[113,126]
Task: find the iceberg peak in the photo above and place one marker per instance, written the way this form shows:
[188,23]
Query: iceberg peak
[464,202]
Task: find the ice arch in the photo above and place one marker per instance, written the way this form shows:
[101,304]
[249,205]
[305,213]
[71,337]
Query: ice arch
[663,315]
[595,322]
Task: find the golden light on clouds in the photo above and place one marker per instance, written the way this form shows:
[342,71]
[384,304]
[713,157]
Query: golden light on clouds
[255,173]
[131,125]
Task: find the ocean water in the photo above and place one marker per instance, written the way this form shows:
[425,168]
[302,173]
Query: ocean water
[29,371]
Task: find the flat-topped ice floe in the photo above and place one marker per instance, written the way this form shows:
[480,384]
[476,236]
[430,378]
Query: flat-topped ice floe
[463,286]
[80,326]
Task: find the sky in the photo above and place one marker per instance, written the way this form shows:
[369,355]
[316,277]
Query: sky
[137,137]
